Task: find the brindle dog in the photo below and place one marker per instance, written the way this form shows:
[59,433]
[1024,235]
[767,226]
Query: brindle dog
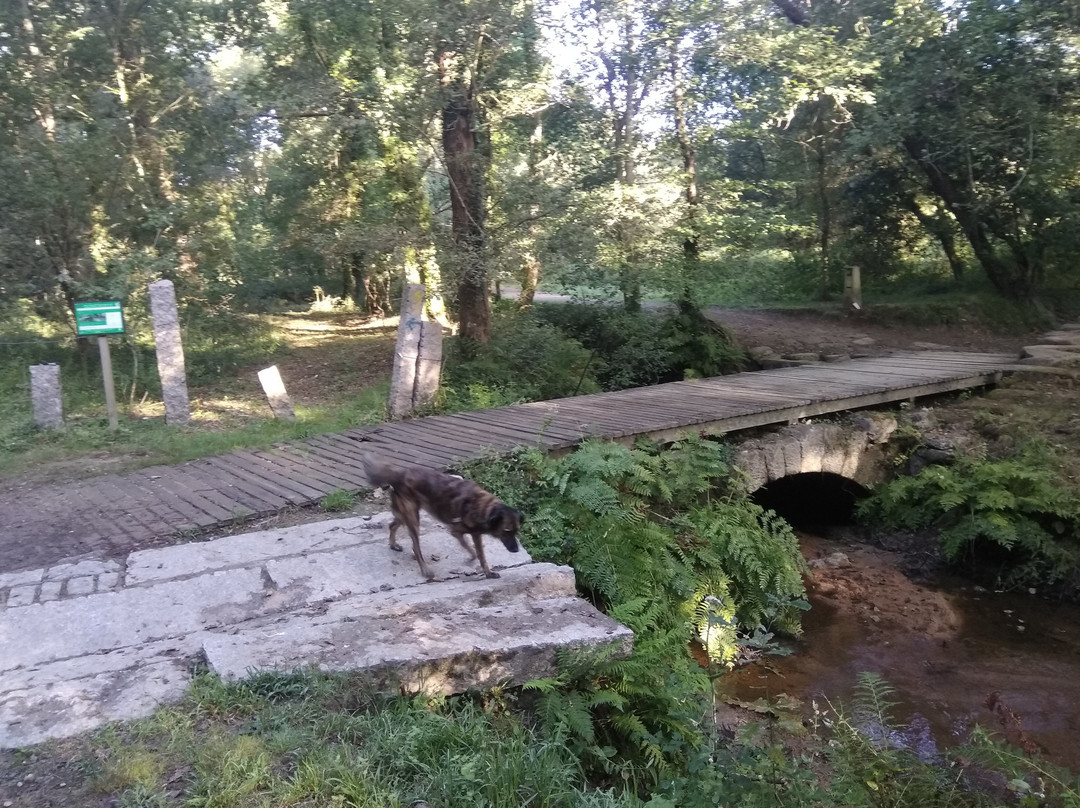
[460,504]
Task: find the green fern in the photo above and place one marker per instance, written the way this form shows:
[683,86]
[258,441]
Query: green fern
[1017,504]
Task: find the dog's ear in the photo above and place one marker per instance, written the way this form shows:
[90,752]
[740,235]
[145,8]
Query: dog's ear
[520,517]
[495,518]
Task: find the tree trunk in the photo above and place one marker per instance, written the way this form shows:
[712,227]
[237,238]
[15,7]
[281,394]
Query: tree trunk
[1012,282]
[466,175]
[691,246]
[939,227]
[530,261]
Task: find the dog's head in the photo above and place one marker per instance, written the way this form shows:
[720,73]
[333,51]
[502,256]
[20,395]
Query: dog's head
[503,523]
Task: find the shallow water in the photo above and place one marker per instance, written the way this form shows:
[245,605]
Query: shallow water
[946,647]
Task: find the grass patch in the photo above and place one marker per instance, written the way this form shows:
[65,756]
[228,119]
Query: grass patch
[313,739]
[339,500]
[335,368]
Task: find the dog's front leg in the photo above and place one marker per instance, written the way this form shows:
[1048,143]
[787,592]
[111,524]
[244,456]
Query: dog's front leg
[458,534]
[478,543]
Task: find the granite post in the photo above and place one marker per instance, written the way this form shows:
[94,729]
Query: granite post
[403,377]
[45,396]
[428,364]
[170,352]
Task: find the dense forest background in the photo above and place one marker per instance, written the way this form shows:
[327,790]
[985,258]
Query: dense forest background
[260,152]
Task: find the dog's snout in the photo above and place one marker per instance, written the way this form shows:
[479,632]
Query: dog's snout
[511,544]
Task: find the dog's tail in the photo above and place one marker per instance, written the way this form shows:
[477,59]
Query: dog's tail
[379,473]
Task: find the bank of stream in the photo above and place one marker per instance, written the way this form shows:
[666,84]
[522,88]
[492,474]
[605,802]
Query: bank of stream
[956,653]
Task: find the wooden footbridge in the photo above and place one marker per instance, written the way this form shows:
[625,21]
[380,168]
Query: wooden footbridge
[115,513]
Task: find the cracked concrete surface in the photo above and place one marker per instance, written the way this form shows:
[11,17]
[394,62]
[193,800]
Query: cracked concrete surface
[89,642]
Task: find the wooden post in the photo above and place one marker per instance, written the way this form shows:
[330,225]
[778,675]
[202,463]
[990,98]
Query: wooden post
[853,288]
[106,372]
[403,377]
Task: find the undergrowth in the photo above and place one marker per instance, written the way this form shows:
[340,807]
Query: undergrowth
[666,544]
[305,738]
[1014,512]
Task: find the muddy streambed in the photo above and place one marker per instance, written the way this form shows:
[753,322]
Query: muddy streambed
[956,654]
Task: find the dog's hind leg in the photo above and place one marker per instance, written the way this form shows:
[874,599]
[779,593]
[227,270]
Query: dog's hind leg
[411,518]
[478,542]
[394,525]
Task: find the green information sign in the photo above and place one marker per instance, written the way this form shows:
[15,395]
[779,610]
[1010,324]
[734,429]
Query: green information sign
[99,318]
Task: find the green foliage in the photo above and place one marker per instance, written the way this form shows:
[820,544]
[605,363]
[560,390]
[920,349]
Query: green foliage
[338,500]
[657,538]
[631,349]
[307,738]
[1016,505]
[525,360]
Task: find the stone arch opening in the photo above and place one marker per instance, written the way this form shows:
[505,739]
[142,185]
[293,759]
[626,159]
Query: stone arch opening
[812,500]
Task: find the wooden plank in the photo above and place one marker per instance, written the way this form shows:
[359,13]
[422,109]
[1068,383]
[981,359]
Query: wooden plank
[140,507]
[162,509]
[287,478]
[346,450]
[328,473]
[428,453]
[259,499]
[542,419]
[205,487]
[228,464]
[178,486]
[119,509]
[482,428]
[401,456]
[448,436]
[294,470]
[338,448]
[194,516]
[780,416]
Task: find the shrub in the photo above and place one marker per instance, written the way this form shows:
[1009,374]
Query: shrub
[1016,505]
[662,541]
[633,349]
[525,360]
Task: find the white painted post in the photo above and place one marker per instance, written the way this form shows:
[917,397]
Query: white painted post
[274,387]
[428,363]
[45,396]
[170,352]
[403,377]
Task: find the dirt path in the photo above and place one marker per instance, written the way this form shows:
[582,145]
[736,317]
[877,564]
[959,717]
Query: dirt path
[795,331]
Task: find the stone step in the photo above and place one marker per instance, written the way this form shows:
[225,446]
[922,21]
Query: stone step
[329,594]
[424,647]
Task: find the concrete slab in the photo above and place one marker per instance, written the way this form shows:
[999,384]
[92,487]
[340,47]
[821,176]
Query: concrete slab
[426,649]
[332,594]
[179,561]
[70,707]
[59,629]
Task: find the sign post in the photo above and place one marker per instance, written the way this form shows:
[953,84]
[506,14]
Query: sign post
[99,318]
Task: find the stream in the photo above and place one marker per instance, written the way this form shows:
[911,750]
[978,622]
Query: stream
[956,654]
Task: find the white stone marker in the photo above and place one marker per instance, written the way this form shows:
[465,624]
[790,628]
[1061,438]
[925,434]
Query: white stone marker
[274,387]
[45,396]
[170,352]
